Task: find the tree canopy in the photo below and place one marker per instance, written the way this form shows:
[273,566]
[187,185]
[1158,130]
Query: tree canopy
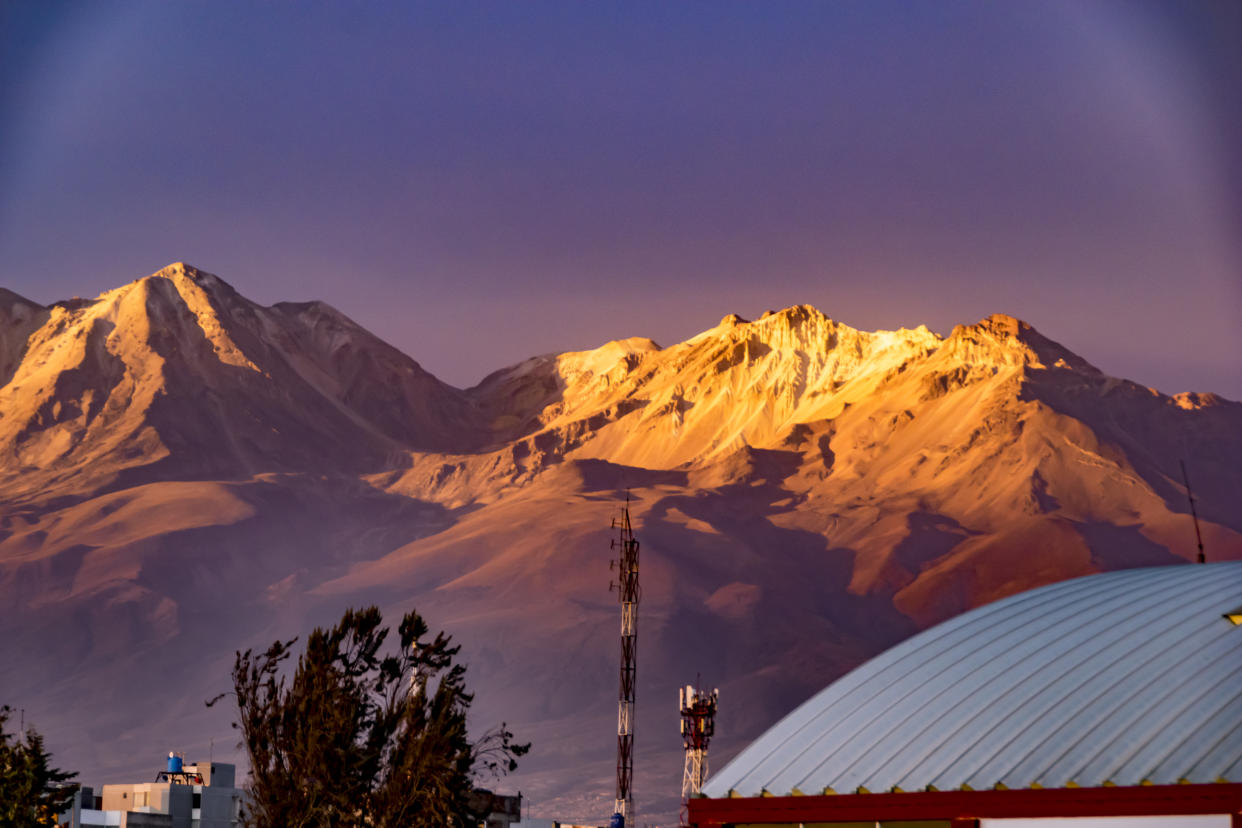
[359,736]
[32,792]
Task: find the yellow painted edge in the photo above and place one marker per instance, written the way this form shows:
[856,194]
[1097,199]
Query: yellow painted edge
[733,794]
[966,786]
[1235,617]
[829,792]
[1108,783]
[1071,784]
[1146,783]
[765,793]
[861,789]
[796,792]
[1001,786]
[897,789]
[931,789]
[1035,786]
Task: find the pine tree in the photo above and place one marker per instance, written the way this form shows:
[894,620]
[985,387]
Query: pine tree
[359,737]
[32,792]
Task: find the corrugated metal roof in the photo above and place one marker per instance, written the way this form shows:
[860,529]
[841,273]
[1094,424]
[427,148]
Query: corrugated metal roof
[1123,678]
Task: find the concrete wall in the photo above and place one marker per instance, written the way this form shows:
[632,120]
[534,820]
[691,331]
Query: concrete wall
[152,797]
[91,818]
[133,819]
[216,774]
[180,804]
[218,807]
[155,798]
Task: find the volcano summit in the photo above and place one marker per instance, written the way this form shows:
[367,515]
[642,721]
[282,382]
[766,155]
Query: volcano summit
[185,473]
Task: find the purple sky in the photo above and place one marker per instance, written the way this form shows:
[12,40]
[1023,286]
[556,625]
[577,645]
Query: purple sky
[477,183]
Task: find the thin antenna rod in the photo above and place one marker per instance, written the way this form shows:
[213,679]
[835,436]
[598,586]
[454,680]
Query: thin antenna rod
[1193,513]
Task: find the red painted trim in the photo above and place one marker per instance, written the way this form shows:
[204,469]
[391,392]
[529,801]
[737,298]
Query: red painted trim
[1148,800]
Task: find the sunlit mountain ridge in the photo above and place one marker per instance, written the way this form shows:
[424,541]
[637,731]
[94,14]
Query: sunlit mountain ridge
[186,473]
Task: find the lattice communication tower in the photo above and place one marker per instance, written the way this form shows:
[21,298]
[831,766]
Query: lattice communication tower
[626,584]
[698,724]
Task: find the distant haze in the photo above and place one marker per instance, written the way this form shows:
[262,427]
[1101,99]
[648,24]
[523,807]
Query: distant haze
[184,473]
[478,183]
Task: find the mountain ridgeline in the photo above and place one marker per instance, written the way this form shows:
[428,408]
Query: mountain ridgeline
[186,472]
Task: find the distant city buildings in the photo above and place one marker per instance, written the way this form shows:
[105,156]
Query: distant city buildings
[206,796]
[501,811]
[183,796]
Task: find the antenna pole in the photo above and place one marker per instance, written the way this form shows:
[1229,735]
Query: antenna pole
[628,593]
[1193,513]
[698,725]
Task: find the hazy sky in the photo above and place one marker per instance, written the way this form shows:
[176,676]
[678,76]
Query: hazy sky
[477,183]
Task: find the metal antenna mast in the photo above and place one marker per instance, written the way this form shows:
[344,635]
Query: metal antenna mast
[1193,513]
[698,724]
[626,584]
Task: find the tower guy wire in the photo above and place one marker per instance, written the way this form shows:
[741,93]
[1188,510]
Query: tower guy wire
[1193,512]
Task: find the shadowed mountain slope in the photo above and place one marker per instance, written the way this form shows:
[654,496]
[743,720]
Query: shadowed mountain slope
[177,376]
[186,473]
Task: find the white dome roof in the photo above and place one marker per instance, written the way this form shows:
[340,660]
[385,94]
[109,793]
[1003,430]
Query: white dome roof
[1123,678]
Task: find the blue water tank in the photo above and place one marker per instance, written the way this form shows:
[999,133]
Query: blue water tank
[617,821]
[174,763]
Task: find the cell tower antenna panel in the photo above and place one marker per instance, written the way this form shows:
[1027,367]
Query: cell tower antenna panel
[1193,513]
[628,593]
[698,725]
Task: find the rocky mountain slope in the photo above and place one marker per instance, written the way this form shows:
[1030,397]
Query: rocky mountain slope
[177,376]
[185,473]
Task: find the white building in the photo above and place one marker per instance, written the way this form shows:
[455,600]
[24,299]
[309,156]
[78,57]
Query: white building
[192,796]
